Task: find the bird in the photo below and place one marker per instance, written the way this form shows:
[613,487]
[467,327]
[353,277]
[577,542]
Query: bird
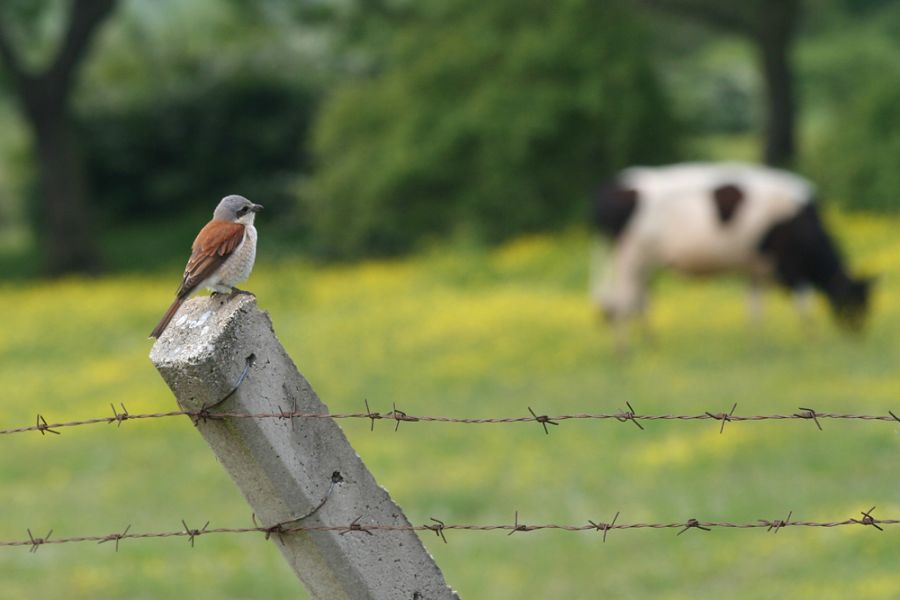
[222,254]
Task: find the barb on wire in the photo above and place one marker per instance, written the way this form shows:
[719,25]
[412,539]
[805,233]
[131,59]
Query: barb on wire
[371,415]
[356,526]
[398,415]
[724,417]
[192,533]
[116,537]
[693,524]
[623,416]
[520,527]
[809,413]
[278,529]
[41,425]
[774,526]
[205,413]
[868,519]
[439,527]
[543,420]
[605,527]
[38,542]
[289,414]
[119,417]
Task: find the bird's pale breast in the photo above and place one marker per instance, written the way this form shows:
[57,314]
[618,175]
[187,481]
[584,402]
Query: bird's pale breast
[237,267]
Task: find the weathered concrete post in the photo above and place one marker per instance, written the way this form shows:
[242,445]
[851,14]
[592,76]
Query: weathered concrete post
[285,468]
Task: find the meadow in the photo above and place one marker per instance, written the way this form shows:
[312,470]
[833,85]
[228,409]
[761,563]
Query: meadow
[463,331]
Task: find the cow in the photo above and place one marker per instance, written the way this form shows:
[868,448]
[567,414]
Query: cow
[718,218]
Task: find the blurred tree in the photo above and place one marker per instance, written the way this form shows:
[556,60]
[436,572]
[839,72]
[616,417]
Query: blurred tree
[771,25]
[852,72]
[44,97]
[858,172]
[493,118]
[185,147]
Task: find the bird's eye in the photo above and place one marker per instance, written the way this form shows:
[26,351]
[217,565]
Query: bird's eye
[242,211]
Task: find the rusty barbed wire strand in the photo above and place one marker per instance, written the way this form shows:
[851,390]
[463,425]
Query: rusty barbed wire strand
[205,413]
[440,528]
[121,415]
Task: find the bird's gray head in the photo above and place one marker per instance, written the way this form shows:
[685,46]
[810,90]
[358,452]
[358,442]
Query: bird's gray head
[236,209]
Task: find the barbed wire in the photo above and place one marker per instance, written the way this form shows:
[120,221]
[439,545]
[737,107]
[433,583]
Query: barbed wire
[121,414]
[437,526]
[440,528]
[206,413]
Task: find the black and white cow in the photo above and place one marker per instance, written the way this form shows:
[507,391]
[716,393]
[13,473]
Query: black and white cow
[712,218]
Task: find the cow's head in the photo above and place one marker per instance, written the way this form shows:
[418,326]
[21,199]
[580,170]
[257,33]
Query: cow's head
[850,301]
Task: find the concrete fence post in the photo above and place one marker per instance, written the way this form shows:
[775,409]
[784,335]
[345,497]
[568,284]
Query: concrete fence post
[286,468]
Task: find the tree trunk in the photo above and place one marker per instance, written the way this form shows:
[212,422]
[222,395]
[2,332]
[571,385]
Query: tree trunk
[67,234]
[770,25]
[775,39]
[65,220]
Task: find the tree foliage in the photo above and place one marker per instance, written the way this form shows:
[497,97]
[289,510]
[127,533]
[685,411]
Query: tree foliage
[857,160]
[192,146]
[496,118]
[852,70]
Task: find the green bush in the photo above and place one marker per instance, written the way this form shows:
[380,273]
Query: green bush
[850,91]
[188,149]
[856,160]
[492,118]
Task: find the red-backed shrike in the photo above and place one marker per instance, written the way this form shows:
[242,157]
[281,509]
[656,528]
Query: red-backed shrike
[222,255]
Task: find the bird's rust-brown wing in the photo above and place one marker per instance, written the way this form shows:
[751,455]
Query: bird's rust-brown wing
[215,242]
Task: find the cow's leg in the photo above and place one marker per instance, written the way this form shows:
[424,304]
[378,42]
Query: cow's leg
[755,304]
[803,305]
[803,302]
[642,313]
[618,325]
[623,293]
[598,275]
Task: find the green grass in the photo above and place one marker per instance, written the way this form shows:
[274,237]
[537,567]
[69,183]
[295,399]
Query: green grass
[473,333]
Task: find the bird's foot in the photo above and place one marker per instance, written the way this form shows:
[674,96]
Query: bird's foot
[236,292]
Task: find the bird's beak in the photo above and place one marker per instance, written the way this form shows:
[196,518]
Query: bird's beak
[256,208]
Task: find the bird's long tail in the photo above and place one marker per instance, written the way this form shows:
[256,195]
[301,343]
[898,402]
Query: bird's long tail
[164,322]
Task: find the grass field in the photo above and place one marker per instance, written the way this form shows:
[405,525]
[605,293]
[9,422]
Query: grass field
[474,333]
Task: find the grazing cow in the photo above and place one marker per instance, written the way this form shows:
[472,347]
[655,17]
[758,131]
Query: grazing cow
[707,219]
